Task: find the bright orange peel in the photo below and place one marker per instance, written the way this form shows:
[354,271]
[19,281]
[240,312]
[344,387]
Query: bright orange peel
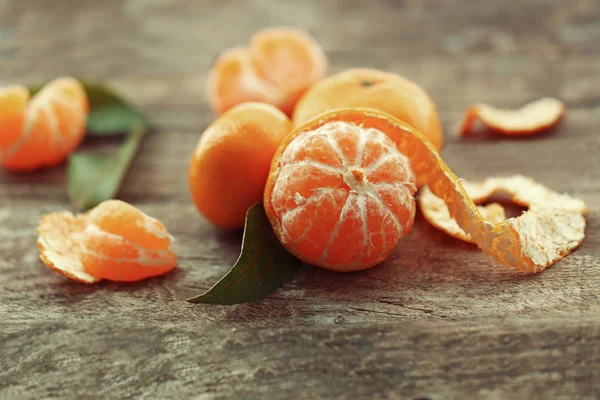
[530,242]
[522,190]
[60,238]
[114,241]
[435,212]
[532,118]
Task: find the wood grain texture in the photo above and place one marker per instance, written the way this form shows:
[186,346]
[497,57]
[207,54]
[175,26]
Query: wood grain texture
[437,320]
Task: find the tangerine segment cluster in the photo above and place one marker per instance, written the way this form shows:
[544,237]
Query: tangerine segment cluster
[121,243]
[342,196]
[114,241]
[42,132]
[531,242]
[523,191]
[277,67]
[371,88]
[532,118]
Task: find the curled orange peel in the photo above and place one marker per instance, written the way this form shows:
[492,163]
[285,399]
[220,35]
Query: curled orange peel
[532,118]
[530,242]
[60,239]
[435,212]
[523,191]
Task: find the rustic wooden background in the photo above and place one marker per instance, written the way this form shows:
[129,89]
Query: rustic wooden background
[438,320]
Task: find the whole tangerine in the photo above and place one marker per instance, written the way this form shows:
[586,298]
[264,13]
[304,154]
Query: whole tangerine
[379,90]
[230,165]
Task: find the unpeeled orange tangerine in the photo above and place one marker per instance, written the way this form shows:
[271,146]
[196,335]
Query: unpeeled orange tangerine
[230,165]
[371,88]
[42,132]
[277,67]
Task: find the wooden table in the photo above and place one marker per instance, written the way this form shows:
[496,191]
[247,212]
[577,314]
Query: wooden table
[438,320]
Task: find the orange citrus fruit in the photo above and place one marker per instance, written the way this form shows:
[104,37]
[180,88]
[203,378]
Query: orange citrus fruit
[230,165]
[321,172]
[114,241]
[340,196]
[371,88]
[277,67]
[42,132]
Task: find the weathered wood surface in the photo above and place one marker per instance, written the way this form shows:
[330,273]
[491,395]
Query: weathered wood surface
[438,320]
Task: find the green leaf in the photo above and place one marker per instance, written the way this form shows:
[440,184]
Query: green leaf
[109,113]
[264,265]
[93,178]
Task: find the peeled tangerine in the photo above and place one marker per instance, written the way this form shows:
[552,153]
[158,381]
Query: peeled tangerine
[277,67]
[340,196]
[532,118]
[42,132]
[114,241]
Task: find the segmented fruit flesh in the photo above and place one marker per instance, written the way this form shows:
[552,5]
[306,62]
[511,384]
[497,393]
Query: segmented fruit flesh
[343,196]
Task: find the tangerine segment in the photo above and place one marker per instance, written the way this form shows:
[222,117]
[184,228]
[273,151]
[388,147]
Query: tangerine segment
[45,131]
[523,191]
[277,67]
[13,112]
[119,218]
[290,59]
[341,196]
[121,243]
[90,247]
[531,242]
[233,80]
[230,165]
[60,238]
[532,118]
[371,88]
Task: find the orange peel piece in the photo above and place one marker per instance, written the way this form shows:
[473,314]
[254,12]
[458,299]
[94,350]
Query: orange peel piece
[565,211]
[436,212]
[60,238]
[530,242]
[532,118]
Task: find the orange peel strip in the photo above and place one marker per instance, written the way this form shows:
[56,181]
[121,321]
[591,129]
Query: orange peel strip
[523,191]
[532,118]
[436,212]
[60,238]
[530,242]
